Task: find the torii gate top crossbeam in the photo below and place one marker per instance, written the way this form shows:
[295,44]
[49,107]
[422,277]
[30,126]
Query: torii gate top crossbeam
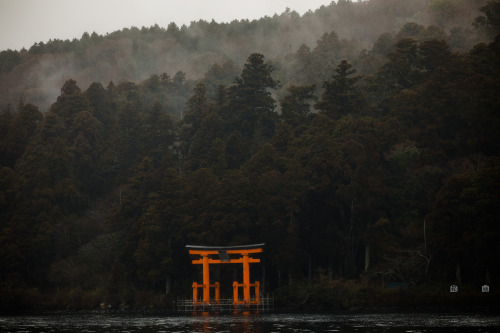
[223,251]
[224,248]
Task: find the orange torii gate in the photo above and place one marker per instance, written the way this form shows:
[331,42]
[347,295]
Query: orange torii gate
[224,253]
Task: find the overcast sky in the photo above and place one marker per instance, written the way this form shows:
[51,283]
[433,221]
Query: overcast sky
[24,22]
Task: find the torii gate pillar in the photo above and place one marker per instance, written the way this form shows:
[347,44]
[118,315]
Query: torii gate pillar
[206,279]
[246,278]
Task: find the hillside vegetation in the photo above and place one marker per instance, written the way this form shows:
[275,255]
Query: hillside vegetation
[358,141]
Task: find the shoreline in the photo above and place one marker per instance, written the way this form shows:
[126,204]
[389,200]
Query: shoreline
[341,297]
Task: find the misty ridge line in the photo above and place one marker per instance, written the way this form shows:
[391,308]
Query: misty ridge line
[133,54]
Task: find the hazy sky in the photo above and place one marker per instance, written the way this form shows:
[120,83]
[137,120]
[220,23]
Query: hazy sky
[24,22]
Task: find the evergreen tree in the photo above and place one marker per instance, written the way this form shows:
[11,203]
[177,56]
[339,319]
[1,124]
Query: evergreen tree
[87,146]
[236,150]
[21,128]
[100,104]
[490,23]
[341,96]
[324,57]
[158,133]
[295,107]
[70,102]
[401,71]
[196,108]
[126,137]
[251,102]
[6,118]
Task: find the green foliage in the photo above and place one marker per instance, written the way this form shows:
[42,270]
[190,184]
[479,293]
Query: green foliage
[341,96]
[467,197]
[490,22]
[392,175]
[17,132]
[250,98]
[70,102]
[8,60]
[295,107]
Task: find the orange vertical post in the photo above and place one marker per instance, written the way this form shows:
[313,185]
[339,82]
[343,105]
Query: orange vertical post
[206,280]
[195,292]
[217,292]
[257,292]
[246,279]
[235,292]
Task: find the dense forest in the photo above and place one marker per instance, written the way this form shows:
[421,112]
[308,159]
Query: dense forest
[358,141]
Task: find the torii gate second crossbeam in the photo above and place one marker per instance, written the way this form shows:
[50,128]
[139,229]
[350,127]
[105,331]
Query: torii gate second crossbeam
[224,253]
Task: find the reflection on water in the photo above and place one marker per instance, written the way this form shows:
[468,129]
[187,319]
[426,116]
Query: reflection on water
[249,322]
[244,322]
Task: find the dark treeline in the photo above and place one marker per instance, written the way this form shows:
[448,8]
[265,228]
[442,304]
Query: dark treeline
[37,74]
[375,166]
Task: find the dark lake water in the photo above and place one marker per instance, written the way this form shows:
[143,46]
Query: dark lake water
[263,323]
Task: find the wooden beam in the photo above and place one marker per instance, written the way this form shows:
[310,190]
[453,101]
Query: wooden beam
[242,252]
[215,248]
[231,261]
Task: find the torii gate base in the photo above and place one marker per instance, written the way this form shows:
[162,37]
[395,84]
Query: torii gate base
[224,252]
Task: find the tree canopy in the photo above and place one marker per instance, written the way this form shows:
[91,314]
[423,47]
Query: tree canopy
[379,165]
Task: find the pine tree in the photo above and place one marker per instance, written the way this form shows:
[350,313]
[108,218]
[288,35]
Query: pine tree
[341,96]
[70,102]
[251,101]
[295,107]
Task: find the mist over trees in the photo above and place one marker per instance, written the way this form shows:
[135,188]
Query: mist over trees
[358,141]
[345,28]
